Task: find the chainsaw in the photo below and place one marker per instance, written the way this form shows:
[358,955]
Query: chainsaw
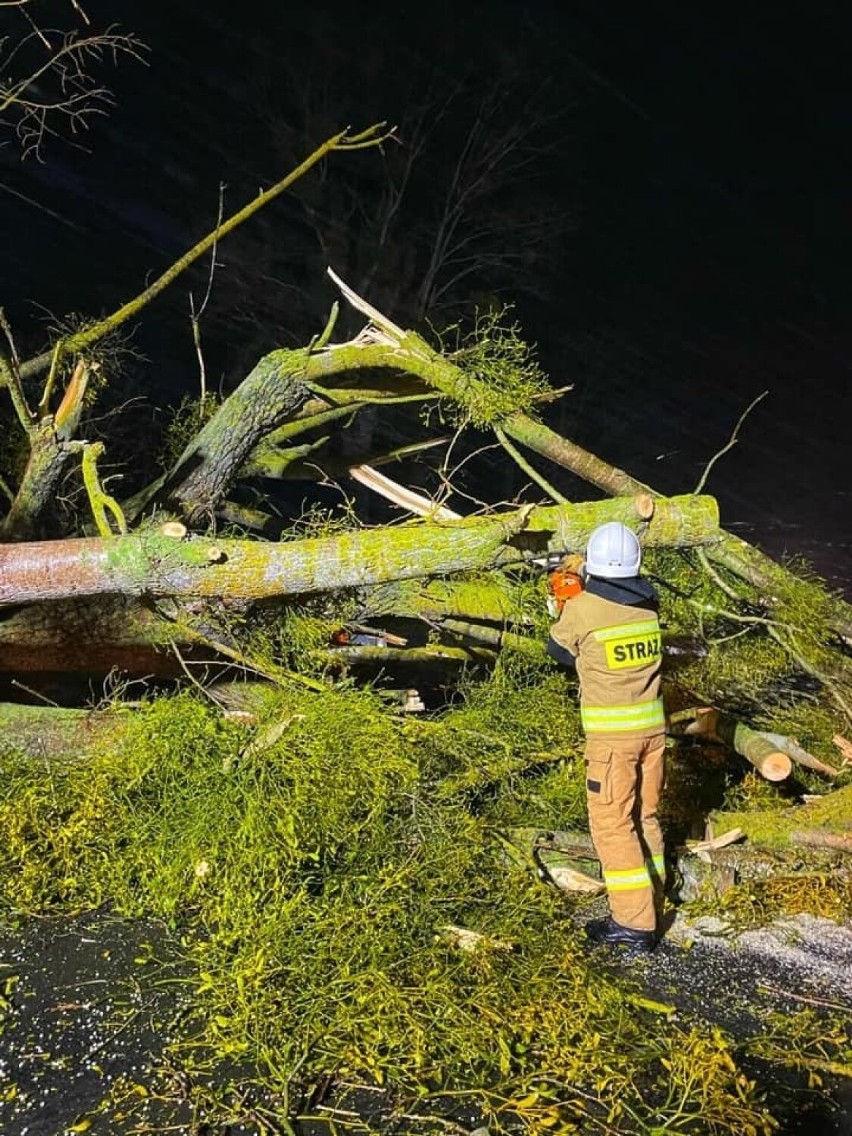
[565,580]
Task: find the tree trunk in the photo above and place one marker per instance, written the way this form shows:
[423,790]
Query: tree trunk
[814,838]
[150,564]
[46,464]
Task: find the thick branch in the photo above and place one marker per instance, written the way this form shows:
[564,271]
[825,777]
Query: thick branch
[36,494]
[151,564]
[767,758]
[739,557]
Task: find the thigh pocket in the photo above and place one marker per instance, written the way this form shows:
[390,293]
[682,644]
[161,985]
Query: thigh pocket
[599,777]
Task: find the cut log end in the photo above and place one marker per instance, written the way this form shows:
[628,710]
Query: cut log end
[774,766]
[644,505]
[173,529]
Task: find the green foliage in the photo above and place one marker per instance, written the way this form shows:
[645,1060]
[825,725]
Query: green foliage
[506,373]
[777,669]
[314,861]
[183,423]
[317,859]
[759,902]
[810,1041]
[320,521]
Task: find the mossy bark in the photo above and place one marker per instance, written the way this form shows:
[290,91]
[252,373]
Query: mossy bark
[770,762]
[271,393]
[489,599]
[93,635]
[764,755]
[830,815]
[47,462]
[150,564]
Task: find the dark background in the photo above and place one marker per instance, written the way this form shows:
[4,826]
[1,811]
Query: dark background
[676,242]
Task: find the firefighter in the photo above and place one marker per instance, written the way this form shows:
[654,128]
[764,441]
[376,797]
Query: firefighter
[611,633]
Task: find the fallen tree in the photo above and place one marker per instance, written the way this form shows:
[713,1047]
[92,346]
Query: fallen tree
[155,564]
[158,589]
[318,824]
[171,588]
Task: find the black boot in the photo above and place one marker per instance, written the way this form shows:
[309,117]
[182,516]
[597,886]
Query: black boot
[608,931]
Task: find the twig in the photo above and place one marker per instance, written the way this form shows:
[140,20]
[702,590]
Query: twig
[183,666]
[802,997]
[274,674]
[732,441]
[809,668]
[721,584]
[319,342]
[34,693]
[10,376]
[519,458]
[194,316]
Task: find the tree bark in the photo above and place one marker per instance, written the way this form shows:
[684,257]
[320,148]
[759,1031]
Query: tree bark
[149,564]
[94,636]
[814,838]
[47,462]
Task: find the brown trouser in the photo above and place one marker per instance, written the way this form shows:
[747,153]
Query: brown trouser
[624,779]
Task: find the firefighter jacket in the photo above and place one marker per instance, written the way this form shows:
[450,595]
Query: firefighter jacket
[612,632]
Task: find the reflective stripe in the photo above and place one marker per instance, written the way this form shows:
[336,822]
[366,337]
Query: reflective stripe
[627,879]
[630,644]
[657,866]
[626,719]
[619,629]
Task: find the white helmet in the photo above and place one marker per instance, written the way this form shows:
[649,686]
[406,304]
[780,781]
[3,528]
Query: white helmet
[613,551]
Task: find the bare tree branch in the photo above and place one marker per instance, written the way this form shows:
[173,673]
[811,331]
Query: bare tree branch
[343,141]
[48,77]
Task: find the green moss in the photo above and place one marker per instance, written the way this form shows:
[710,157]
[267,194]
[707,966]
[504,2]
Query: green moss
[183,423]
[771,825]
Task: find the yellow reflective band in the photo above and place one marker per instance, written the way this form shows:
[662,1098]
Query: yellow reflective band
[628,879]
[657,868]
[619,629]
[631,644]
[623,719]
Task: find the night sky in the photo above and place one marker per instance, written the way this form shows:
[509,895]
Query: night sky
[679,245]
